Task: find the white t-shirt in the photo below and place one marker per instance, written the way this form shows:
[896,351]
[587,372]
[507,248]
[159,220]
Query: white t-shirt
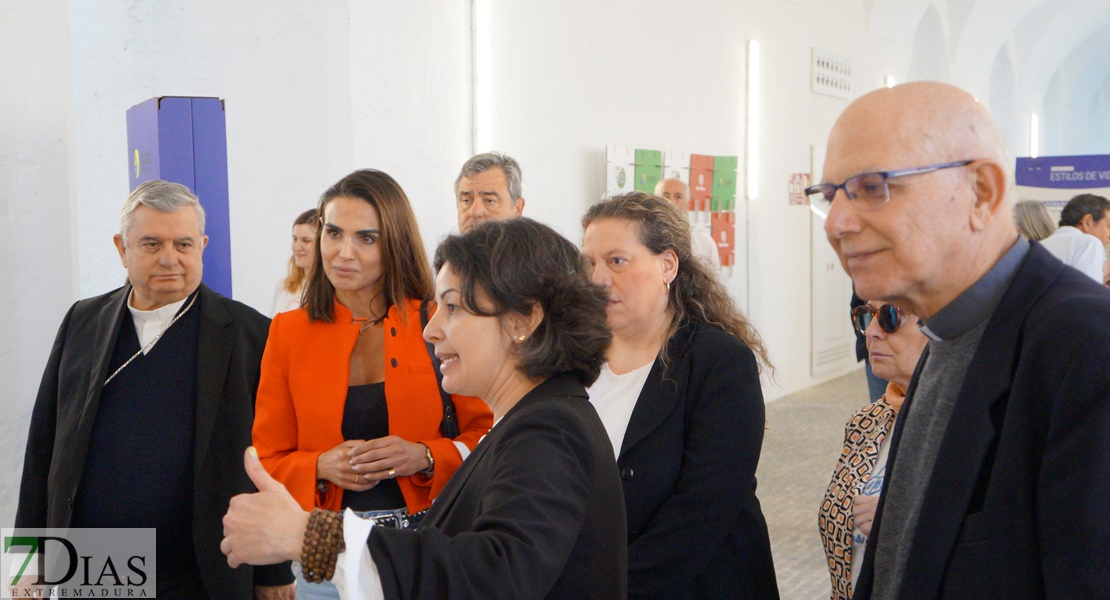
[704,247]
[149,324]
[614,396]
[1077,249]
[285,301]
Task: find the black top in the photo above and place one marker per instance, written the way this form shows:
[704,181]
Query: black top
[366,417]
[535,511]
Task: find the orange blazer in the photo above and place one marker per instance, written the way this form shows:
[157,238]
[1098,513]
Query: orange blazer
[303,390]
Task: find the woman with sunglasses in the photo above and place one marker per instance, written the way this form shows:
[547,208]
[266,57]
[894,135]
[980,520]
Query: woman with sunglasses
[894,343]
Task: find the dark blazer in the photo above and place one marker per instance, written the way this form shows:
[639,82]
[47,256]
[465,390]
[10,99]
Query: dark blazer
[534,512]
[1018,505]
[231,339]
[695,528]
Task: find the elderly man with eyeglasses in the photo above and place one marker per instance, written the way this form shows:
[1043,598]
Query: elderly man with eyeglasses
[1004,488]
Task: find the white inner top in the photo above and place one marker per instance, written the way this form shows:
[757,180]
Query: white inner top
[614,396]
[150,323]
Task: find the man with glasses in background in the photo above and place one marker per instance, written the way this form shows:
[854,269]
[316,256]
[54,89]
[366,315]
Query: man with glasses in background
[998,483]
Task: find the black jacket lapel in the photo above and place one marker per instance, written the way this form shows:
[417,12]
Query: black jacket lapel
[967,453]
[660,393]
[216,342]
[108,323]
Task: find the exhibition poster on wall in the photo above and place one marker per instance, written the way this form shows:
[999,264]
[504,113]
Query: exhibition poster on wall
[711,206]
[649,170]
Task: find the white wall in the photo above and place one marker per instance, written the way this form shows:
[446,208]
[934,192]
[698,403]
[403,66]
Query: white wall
[410,101]
[36,204]
[314,90]
[282,68]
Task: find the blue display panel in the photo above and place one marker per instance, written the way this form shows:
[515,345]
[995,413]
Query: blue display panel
[184,140]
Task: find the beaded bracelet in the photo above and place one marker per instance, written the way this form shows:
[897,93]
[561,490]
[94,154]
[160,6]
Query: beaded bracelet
[323,541]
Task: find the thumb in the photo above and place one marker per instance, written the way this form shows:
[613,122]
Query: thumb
[258,474]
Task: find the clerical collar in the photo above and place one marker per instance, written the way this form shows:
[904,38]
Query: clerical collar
[149,324]
[978,302]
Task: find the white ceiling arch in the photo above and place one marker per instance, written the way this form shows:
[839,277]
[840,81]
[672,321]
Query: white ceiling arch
[896,20]
[1043,32]
[988,25]
[1089,59]
[1075,24]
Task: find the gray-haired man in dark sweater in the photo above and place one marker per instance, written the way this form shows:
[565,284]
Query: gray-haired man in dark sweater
[147,404]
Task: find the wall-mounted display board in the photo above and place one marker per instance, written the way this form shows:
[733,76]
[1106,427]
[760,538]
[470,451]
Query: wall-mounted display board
[184,140]
[711,180]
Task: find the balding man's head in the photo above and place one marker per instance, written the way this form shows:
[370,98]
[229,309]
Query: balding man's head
[941,229]
[674,191]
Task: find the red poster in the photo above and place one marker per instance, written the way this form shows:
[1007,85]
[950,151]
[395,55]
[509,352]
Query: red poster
[724,233]
[701,181]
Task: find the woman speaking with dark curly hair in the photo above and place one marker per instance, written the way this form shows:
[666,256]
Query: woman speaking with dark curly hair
[536,510]
[680,397]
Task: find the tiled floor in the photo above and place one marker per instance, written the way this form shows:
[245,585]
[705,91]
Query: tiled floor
[805,433]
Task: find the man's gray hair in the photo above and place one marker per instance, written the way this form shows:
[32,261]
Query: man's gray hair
[163,196]
[480,163]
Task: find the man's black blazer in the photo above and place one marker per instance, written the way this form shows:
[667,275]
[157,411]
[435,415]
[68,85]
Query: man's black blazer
[1018,504]
[534,512]
[231,339]
[687,462]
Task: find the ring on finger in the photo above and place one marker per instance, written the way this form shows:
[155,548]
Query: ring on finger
[357,475]
[392,472]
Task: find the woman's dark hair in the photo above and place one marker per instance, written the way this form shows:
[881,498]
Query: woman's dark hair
[519,263]
[296,276]
[404,263]
[695,294]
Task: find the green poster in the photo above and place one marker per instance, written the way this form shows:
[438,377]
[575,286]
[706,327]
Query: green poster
[724,183]
[649,170]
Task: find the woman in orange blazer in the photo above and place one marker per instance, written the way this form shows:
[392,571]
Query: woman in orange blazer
[348,411]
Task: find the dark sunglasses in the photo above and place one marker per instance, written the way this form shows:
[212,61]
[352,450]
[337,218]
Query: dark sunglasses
[890,318]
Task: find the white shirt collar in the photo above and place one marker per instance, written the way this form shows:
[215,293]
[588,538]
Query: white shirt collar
[149,324]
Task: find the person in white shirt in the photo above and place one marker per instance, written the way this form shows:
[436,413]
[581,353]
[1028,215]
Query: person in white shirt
[677,193]
[1083,235]
[289,291]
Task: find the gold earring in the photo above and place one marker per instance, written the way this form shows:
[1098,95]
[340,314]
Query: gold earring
[520,338]
[668,284]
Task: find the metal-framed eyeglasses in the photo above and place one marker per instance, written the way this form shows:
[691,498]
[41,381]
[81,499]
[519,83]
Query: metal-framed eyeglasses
[867,191]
